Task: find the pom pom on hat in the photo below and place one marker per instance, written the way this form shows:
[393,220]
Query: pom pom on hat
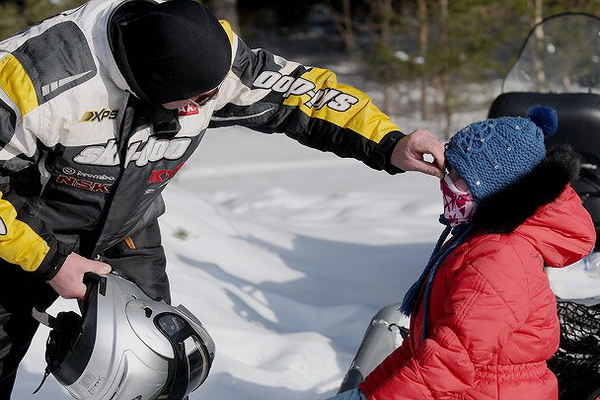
[492,154]
[545,118]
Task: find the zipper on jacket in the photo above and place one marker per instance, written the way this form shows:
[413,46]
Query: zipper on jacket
[44,173]
[125,131]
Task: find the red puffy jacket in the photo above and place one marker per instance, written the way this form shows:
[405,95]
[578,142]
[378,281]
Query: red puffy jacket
[492,322]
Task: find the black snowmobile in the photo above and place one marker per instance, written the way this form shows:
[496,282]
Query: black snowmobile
[558,66]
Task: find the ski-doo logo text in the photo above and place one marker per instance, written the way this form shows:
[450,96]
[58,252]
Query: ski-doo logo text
[290,86]
[141,152]
[83,184]
[99,116]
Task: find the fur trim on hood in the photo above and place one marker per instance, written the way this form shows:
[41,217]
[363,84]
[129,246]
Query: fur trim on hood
[504,211]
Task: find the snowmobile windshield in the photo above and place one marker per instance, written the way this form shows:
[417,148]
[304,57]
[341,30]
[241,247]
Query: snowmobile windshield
[560,55]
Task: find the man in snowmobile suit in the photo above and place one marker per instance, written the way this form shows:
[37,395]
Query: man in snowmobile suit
[102,105]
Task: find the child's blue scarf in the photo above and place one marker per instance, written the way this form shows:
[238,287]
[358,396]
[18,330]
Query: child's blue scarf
[440,252]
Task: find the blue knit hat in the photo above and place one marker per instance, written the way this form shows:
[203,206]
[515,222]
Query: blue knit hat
[491,155]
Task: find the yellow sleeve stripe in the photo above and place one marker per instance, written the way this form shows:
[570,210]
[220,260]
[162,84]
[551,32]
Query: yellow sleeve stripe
[17,84]
[19,244]
[227,28]
[362,117]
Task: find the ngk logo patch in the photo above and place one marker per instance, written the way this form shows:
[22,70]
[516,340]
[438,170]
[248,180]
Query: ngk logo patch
[84,184]
[99,116]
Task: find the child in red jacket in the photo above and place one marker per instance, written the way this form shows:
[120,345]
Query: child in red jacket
[483,315]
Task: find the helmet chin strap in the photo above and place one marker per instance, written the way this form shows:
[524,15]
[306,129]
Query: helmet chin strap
[64,327]
[48,320]
[45,319]
[46,375]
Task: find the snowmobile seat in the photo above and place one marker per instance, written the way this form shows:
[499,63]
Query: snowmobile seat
[578,126]
[578,115]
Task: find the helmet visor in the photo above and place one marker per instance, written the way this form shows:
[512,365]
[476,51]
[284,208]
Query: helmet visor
[191,363]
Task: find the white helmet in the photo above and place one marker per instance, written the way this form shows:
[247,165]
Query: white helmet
[127,345]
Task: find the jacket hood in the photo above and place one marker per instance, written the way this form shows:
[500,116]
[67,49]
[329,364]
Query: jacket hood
[543,207]
[123,12]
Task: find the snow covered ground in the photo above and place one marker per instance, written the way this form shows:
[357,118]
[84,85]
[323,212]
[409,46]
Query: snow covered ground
[285,254]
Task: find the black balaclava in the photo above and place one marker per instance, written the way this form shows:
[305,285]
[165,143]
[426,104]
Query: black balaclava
[175,50]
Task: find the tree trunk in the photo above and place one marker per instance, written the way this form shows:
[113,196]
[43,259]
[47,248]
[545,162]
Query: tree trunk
[539,35]
[386,21]
[445,76]
[386,33]
[347,31]
[343,22]
[423,49]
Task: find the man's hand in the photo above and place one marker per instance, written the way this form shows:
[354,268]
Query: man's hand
[68,282]
[410,150]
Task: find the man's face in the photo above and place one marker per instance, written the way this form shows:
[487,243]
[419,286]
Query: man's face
[197,101]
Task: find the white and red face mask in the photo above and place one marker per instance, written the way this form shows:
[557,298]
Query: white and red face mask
[459,205]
